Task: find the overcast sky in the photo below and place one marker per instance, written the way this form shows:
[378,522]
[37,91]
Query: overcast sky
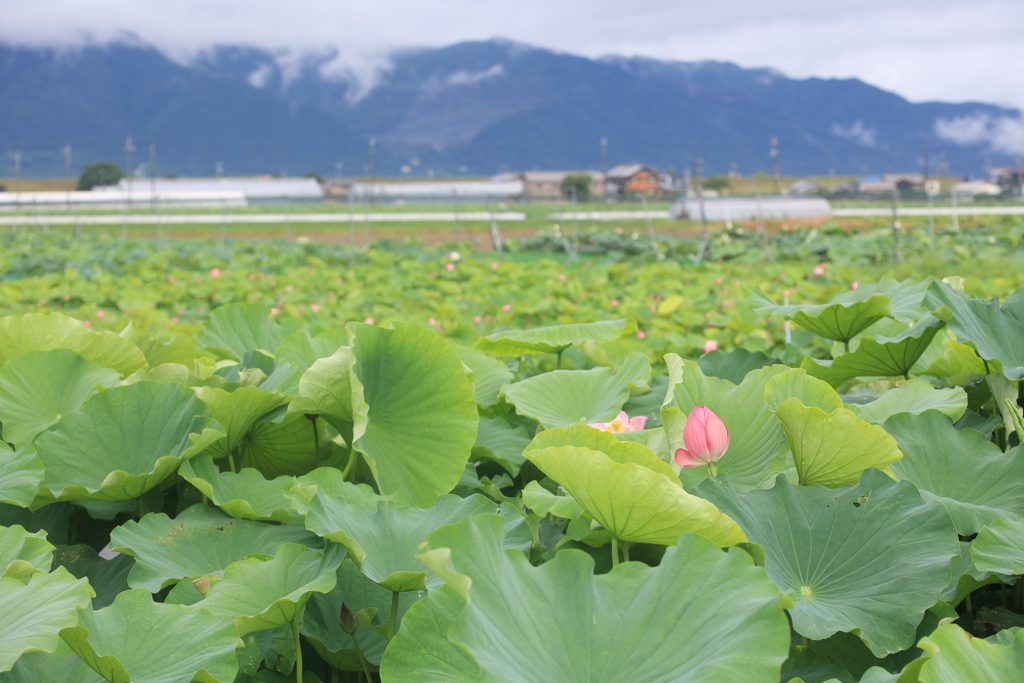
[951,50]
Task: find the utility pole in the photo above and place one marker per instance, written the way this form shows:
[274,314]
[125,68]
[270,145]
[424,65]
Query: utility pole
[773,152]
[66,149]
[604,155]
[17,194]
[896,226]
[924,158]
[129,147]
[152,175]
[373,169]
[705,243]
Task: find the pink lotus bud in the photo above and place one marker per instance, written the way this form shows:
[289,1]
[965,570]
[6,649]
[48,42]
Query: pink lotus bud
[349,623]
[710,345]
[214,272]
[561,278]
[854,285]
[622,423]
[640,334]
[477,319]
[615,303]
[819,271]
[450,267]
[368,321]
[706,438]
[506,308]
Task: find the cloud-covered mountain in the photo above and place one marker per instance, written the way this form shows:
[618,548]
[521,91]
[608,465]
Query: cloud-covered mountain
[471,108]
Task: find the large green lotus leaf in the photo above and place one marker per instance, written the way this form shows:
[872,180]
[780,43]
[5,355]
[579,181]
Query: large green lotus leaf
[734,365]
[124,441]
[383,540]
[34,612]
[567,397]
[421,651]
[179,349]
[554,339]
[878,356]
[43,667]
[234,330]
[498,441]
[302,349]
[958,363]
[108,578]
[259,593]
[833,448]
[39,387]
[321,618]
[47,331]
[633,502]
[796,383]
[994,330]
[544,502]
[958,657]
[333,484]
[907,296]
[869,558]
[138,640]
[199,541]
[418,419]
[245,495]
[968,474]
[836,321]
[23,553]
[21,471]
[282,448]
[804,665]
[915,396]
[757,444]
[621,452]
[50,518]
[999,547]
[701,615]
[490,374]
[326,389]
[238,412]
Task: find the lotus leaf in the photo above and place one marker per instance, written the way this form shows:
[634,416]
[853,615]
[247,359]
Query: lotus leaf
[234,330]
[914,396]
[999,547]
[35,610]
[199,541]
[994,330]
[260,593]
[734,365]
[21,471]
[554,339]
[724,623]
[302,349]
[43,667]
[870,557]
[836,321]
[975,481]
[543,502]
[958,657]
[39,387]
[245,495]
[281,448]
[383,540]
[418,422]
[621,452]
[491,374]
[326,389]
[797,383]
[907,297]
[125,441]
[47,331]
[108,577]
[238,412]
[129,641]
[23,553]
[502,443]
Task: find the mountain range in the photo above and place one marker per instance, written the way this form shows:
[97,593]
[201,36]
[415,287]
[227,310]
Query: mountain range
[474,108]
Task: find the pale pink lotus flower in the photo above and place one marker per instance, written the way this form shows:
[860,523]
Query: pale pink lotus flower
[433,322]
[87,323]
[175,320]
[622,423]
[615,303]
[449,267]
[315,308]
[214,272]
[854,285]
[785,293]
[252,277]
[477,318]
[710,345]
[640,334]
[506,308]
[274,311]
[494,265]
[819,271]
[100,315]
[368,321]
[170,279]
[706,438]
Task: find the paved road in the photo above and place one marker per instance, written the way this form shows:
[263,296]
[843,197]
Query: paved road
[260,218]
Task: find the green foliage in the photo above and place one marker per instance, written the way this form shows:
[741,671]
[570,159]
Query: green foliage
[579,182]
[102,173]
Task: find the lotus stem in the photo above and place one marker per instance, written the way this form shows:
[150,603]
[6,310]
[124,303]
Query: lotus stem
[298,651]
[316,442]
[712,469]
[807,641]
[142,507]
[969,608]
[558,361]
[615,552]
[846,345]
[362,658]
[625,551]
[231,461]
[352,455]
[393,624]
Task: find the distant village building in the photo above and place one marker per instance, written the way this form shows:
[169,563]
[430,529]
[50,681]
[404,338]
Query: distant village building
[976,188]
[547,185]
[805,187]
[440,191]
[626,179]
[1010,179]
[256,190]
[886,183]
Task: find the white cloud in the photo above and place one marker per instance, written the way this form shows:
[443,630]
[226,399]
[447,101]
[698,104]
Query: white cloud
[924,49]
[1002,134]
[472,78]
[857,132]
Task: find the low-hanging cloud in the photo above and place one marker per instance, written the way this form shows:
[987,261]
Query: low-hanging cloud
[1003,134]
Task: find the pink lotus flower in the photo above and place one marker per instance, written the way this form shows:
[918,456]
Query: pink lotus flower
[506,308]
[819,271]
[274,311]
[170,279]
[706,438]
[615,303]
[214,272]
[854,285]
[494,265]
[368,321]
[622,423]
[561,278]
[477,318]
[710,345]
[175,320]
[100,314]
[87,323]
[640,334]
[433,322]
[450,267]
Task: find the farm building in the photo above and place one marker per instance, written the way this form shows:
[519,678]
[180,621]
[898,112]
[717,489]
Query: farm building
[547,185]
[634,179]
[256,190]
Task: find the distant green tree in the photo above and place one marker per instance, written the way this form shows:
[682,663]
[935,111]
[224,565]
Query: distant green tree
[717,183]
[316,176]
[103,173]
[581,181]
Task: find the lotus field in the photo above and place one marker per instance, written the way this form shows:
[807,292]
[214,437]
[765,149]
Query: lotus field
[620,474]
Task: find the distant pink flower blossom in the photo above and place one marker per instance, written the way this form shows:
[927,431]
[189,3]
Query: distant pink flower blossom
[450,267]
[175,320]
[87,323]
[368,321]
[640,334]
[314,308]
[710,345]
[477,318]
[100,314]
[622,423]
[252,276]
[562,278]
[785,292]
[275,311]
[706,438]
[615,303]
[433,322]
[819,271]
[718,281]
[854,285]
[506,308]
[170,279]
[494,265]
[214,272]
